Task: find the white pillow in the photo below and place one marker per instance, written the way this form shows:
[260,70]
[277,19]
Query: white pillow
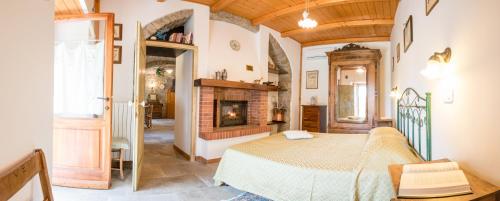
[296,135]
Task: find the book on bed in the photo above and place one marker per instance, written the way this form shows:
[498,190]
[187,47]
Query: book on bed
[433,180]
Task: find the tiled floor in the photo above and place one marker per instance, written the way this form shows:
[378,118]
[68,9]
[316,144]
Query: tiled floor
[166,176]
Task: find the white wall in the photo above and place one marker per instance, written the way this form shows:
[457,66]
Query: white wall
[314,58]
[183,108]
[26,72]
[466,130]
[221,56]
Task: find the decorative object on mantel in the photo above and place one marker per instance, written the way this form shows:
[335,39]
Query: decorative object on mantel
[235,45]
[429,5]
[408,33]
[258,80]
[224,74]
[221,75]
[218,75]
[268,83]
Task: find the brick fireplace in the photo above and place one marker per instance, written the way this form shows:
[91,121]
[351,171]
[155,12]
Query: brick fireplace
[251,96]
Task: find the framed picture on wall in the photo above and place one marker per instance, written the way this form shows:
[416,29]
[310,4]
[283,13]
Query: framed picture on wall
[429,5]
[398,51]
[117,31]
[312,79]
[408,33]
[117,54]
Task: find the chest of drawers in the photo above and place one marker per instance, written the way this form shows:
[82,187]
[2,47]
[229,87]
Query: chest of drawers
[314,118]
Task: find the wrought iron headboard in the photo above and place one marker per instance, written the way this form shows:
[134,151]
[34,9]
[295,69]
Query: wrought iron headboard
[414,121]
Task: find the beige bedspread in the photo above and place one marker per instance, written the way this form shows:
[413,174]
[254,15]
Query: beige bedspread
[327,167]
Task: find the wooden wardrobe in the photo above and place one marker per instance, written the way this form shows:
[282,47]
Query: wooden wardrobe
[348,113]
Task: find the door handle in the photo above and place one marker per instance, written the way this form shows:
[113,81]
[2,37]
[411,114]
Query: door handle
[103,98]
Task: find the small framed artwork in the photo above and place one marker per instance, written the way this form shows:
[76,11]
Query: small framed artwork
[117,31]
[117,54]
[398,52]
[429,5]
[249,68]
[408,33]
[312,79]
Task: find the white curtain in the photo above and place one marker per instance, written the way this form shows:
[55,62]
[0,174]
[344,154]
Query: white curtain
[79,78]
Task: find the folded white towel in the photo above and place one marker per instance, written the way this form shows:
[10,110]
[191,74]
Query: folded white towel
[296,135]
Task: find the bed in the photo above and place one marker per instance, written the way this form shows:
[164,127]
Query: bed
[330,166]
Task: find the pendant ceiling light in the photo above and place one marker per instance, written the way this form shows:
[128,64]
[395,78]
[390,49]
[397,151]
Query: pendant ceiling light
[306,22]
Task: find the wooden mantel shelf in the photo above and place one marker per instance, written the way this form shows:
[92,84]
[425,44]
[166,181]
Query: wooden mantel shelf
[233,84]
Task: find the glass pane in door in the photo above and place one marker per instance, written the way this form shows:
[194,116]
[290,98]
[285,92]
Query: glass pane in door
[79,68]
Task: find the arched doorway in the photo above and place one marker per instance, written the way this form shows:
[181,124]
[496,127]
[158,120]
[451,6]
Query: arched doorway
[279,58]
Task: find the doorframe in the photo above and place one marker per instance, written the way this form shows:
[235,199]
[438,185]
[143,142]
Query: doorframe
[109,18]
[194,76]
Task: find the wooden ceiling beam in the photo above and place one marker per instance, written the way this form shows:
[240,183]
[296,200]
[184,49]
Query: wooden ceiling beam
[219,5]
[301,7]
[347,40]
[336,25]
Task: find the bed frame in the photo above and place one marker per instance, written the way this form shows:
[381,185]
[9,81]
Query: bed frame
[414,121]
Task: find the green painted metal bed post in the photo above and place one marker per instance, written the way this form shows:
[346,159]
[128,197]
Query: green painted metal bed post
[413,129]
[428,125]
[398,123]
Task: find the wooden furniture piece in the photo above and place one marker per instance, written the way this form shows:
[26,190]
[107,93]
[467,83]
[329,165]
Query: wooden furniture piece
[234,85]
[170,102]
[351,57]
[148,116]
[119,146]
[481,190]
[157,109]
[314,118]
[384,123]
[12,180]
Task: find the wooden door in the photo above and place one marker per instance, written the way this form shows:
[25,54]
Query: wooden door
[139,84]
[83,78]
[170,104]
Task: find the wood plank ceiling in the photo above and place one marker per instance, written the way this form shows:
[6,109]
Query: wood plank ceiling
[68,7]
[339,21]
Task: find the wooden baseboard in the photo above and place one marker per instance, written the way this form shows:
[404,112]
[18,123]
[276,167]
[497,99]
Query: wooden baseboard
[182,153]
[205,161]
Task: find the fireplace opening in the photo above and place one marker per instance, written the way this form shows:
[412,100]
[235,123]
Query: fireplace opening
[230,113]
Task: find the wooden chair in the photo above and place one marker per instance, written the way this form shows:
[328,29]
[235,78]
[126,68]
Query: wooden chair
[148,116]
[119,144]
[15,178]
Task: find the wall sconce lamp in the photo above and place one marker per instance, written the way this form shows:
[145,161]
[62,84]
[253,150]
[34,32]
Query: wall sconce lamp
[436,64]
[394,92]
